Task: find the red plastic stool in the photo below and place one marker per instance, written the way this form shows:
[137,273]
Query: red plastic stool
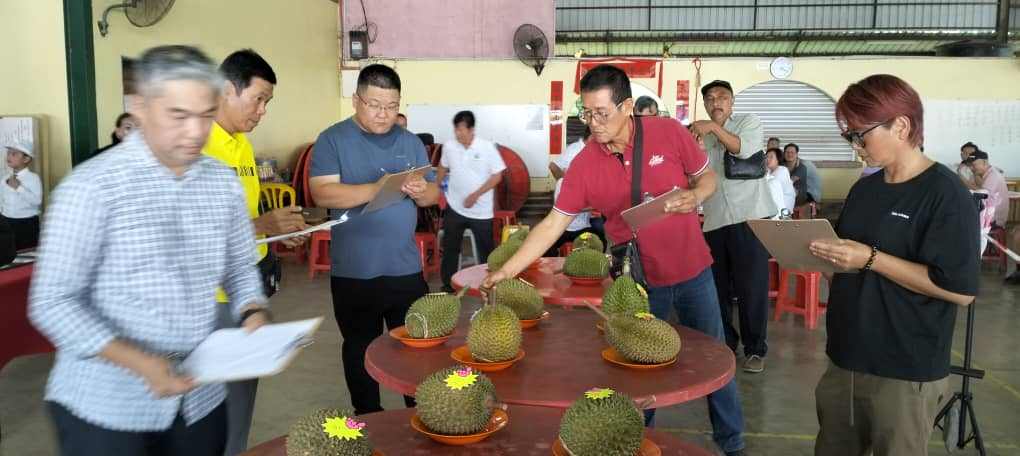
[318,253]
[773,278]
[992,253]
[428,249]
[499,220]
[566,248]
[805,301]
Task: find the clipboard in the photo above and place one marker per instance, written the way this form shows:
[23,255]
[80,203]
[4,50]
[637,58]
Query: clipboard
[234,354]
[788,241]
[390,192]
[649,211]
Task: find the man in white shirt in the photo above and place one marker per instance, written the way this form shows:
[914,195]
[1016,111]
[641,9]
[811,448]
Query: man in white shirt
[581,223]
[475,168]
[21,196]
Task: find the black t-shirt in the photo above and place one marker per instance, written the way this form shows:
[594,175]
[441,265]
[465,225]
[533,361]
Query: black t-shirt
[876,326]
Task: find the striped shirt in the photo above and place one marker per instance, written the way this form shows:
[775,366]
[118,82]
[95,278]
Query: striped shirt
[131,251]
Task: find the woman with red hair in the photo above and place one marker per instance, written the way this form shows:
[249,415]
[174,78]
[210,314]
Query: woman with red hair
[907,258]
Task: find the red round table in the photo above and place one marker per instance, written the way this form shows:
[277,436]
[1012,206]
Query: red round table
[563,359]
[531,431]
[17,335]
[554,287]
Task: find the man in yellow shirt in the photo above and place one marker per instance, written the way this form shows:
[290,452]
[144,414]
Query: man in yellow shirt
[246,92]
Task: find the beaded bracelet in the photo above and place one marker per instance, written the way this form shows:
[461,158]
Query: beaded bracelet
[871,259]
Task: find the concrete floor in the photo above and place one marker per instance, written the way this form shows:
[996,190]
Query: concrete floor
[778,404]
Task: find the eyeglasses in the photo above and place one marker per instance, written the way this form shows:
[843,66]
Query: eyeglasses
[374,106]
[588,116]
[856,138]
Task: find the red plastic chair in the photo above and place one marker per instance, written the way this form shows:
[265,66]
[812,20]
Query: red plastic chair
[428,249]
[993,254]
[318,253]
[566,248]
[805,301]
[806,211]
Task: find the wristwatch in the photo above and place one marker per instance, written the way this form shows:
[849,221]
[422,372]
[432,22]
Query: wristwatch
[250,312]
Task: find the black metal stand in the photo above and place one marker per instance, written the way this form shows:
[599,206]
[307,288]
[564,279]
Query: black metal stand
[946,419]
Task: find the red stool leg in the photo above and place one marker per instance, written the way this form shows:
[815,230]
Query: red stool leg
[783,299]
[811,300]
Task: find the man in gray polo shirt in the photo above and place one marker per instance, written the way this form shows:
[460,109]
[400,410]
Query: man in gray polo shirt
[740,262]
[376,272]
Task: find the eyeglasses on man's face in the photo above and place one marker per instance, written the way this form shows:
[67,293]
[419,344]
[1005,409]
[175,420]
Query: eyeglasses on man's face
[376,106]
[588,116]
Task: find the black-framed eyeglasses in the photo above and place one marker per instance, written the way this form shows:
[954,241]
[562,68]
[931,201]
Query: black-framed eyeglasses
[856,138]
[587,116]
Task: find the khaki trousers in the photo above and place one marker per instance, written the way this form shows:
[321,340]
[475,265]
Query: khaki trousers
[861,414]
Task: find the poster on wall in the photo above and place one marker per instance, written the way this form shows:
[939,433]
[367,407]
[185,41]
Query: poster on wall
[683,101]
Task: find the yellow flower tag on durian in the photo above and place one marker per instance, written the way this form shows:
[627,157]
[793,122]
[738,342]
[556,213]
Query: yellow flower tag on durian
[644,315]
[585,236]
[461,378]
[343,428]
[598,393]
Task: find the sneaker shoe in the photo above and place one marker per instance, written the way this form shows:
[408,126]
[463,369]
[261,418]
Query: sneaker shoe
[754,364]
[1013,279]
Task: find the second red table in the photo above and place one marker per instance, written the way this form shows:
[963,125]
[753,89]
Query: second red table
[554,287]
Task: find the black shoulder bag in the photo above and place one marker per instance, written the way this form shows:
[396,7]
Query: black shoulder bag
[629,249]
[749,168]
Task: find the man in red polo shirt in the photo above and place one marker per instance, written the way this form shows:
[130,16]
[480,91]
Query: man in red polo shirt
[676,260]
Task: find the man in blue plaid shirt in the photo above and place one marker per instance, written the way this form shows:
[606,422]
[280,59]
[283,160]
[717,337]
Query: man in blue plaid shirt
[134,244]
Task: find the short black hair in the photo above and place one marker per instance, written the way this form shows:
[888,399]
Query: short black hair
[121,118]
[779,155]
[242,66]
[795,147]
[379,76]
[644,102]
[969,144]
[464,117]
[775,138]
[607,77]
[400,114]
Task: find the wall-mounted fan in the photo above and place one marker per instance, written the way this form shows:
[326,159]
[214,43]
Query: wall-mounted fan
[531,47]
[141,13]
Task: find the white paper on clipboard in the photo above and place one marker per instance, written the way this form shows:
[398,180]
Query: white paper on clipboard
[390,192]
[649,211]
[235,354]
[788,241]
[309,230]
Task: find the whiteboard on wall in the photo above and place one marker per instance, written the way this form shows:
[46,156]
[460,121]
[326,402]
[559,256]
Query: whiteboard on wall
[994,126]
[523,128]
[20,129]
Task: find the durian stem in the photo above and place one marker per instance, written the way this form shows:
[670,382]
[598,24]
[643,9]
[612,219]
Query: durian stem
[424,322]
[596,309]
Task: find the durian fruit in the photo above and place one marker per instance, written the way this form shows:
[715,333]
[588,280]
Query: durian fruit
[494,334]
[519,296]
[501,254]
[587,240]
[457,400]
[586,263]
[625,295]
[603,422]
[328,432]
[642,338]
[433,315]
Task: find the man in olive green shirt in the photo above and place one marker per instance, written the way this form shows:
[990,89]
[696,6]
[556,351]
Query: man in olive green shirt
[740,262]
